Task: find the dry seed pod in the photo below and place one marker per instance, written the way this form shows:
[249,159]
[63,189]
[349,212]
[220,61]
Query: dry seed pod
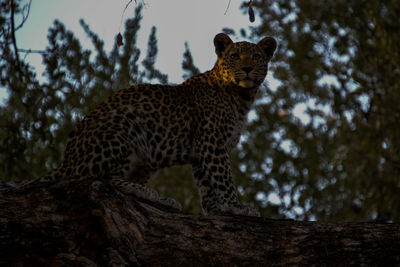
[251,14]
[119,39]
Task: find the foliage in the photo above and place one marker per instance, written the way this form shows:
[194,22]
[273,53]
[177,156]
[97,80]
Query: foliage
[150,71]
[338,63]
[188,64]
[38,116]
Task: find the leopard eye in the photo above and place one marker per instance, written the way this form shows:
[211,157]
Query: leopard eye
[234,56]
[256,56]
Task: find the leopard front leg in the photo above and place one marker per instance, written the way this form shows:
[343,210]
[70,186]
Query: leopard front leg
[143,192]
[214,179]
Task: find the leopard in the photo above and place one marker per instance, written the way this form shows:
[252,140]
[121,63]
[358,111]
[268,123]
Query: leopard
[144,128]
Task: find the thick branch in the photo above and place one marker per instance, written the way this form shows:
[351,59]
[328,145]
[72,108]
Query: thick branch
[88,222]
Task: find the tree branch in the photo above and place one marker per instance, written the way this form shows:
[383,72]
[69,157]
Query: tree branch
[28,51]
[24,17]
[87,222]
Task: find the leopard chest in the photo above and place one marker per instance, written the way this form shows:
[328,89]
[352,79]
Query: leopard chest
[220,115]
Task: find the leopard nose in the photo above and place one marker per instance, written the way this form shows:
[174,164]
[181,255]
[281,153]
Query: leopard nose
[247,69]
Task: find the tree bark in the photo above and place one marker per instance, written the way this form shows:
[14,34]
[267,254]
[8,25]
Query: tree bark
[86,222]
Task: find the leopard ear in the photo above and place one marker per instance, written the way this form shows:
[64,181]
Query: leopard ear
[221,42]
[268,45]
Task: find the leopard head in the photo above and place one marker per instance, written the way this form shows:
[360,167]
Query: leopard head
[243,64]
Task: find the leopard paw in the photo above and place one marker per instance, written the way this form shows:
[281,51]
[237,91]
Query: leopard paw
[138,190]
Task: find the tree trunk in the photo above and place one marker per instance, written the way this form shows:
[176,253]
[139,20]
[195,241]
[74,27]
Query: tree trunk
[86,222]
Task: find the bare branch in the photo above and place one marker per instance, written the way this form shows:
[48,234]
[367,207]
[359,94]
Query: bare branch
[28,51]
[123,12]
[229,3]
[24,17]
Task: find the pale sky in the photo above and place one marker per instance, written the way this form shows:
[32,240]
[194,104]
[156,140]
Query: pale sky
[177,21]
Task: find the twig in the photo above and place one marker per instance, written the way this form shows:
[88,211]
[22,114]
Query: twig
[24,17]
[123,12]
[229,3]
[28,51]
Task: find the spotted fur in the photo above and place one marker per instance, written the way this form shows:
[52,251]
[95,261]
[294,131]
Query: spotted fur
[146,127]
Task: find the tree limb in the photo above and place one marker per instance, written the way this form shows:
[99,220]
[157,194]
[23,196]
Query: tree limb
[87,222]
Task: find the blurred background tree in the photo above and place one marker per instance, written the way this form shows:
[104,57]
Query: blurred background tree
[323,144]
[38,116]
[337,63]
